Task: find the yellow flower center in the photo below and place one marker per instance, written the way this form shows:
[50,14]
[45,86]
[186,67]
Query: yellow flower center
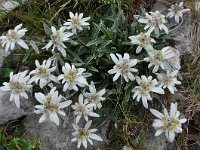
[11,35]
[75,22]
[42,72]
[50,106]
[170,124]
[144,40]
[93,98]
[145,86]
[124,66]
[82,134]
[16,86]
[56,38]
[72,75]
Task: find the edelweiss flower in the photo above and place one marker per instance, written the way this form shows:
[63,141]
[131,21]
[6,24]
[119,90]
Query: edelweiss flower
[57,39]
[43,73]
[14,36]
[72,77]
[143,40]
[84,135]
[76,22]
[168,123]
[146,85]
[177,11]
[123,67]
[18,86]
[83,108]
[158,58]
[95,97]
[51,105]
[154,22]
[169,80]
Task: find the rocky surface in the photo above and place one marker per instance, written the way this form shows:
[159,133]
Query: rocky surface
[157,143]
[9,111]
[8,5]
[52,137]
[180,34]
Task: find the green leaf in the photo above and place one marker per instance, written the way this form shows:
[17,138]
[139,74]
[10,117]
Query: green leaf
[128,93]
[47,30]
[75,55]
[26,56]
[34,46]
[94,42]
[7,71]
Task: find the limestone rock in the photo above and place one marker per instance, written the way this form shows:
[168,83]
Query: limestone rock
[9,111]
[52,137]
[157,143]
[8,5]
[181,33]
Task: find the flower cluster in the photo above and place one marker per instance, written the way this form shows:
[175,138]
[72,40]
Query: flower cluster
[169,122]
[161,62]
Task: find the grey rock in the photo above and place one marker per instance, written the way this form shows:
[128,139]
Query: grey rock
[157,143]
[52,137]
[181,33]
[8,5]
[9,111]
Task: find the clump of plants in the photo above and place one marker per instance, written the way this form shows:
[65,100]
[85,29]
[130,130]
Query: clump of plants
[94,67]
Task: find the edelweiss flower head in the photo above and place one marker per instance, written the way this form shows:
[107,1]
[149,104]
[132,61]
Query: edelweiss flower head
[72,77]
[169,80]
[154,22]
[76,22]
[168,123]
[146,85]
[143,40]
[14,37]
[158,58]
[177,11]
[57,39]
[83,108]
[43,73]
[18,86]
[51,105]
[95,97]
[123,67]
[84,135]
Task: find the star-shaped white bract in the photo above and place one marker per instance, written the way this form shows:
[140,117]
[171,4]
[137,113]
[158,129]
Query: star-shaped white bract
[123,67]
[18,86]
[84,135]
[51,105]
[169,80]
[158,58]
[83,108]
[43,73]
[154,22]
[170,123]
[143,40]
[58,38]
[72,77]
[177,11]
[76,21]
[95,97]
[14,37]
[146,85]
